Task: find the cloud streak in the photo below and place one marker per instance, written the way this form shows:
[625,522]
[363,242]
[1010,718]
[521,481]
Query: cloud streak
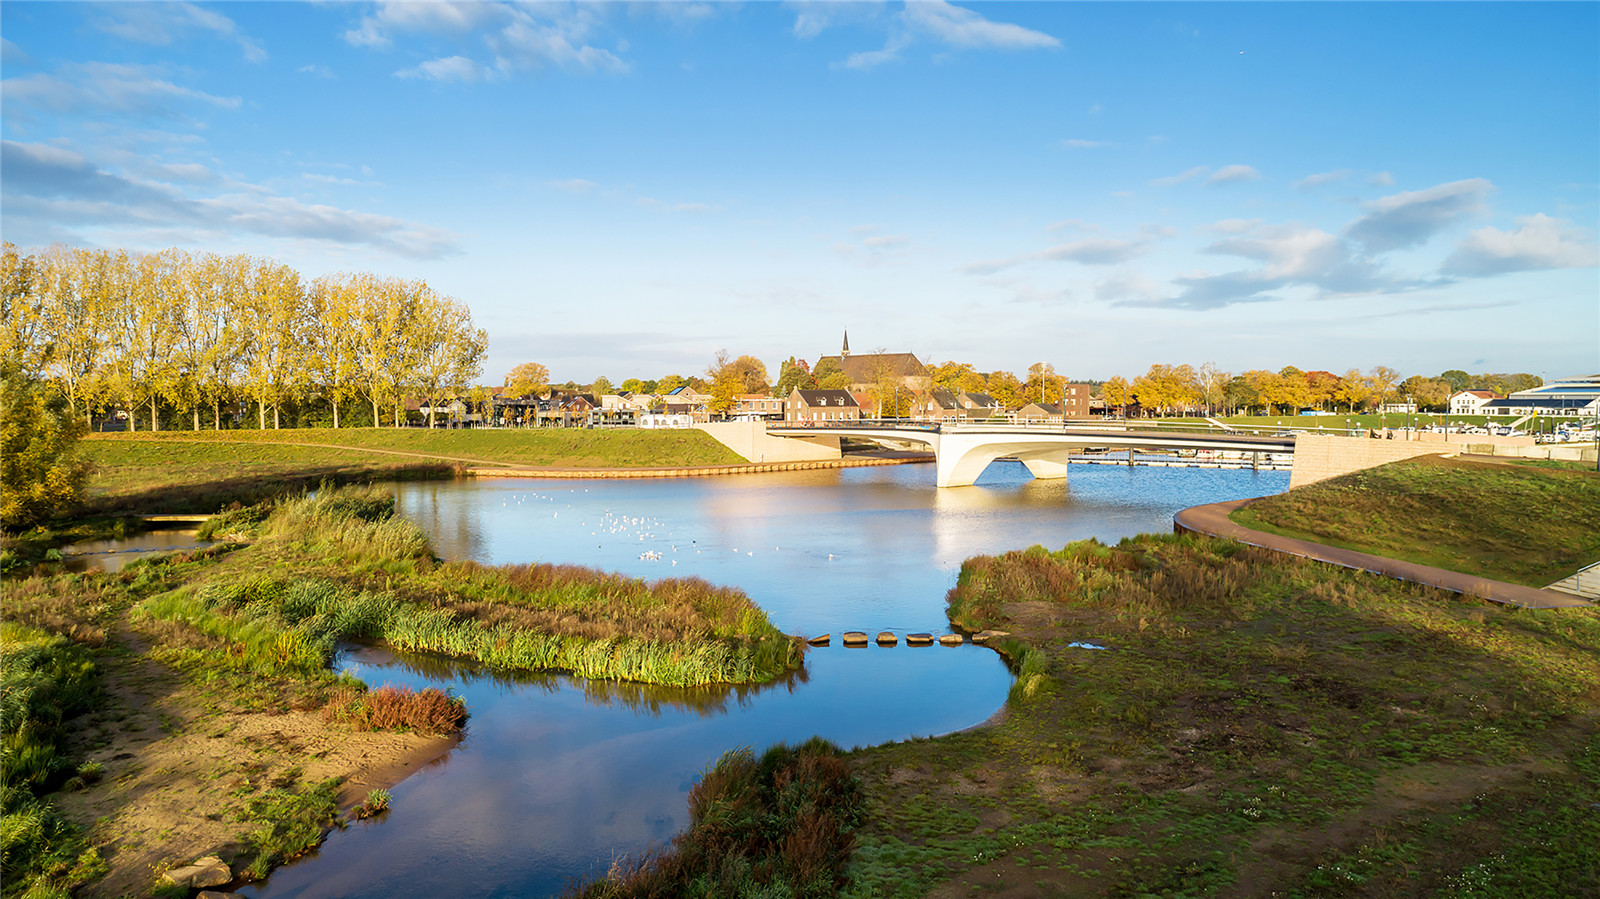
[1411,218]
[48,189]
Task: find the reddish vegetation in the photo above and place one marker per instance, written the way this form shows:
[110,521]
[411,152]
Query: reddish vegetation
[427,711]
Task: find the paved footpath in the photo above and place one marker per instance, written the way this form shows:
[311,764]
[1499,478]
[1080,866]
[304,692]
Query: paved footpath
[1213,519]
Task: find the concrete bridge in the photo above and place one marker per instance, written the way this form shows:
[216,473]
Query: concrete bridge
[963,451]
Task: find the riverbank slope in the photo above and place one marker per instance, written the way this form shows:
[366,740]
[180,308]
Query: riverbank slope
[1194,716]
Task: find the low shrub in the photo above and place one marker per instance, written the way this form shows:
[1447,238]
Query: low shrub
[426,711]
[778,825]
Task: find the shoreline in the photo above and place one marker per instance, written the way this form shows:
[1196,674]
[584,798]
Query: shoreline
[690,471]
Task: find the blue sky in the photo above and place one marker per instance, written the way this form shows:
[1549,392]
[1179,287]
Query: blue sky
[623,189]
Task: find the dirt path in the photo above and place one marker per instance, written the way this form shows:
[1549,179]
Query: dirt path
[182,762]
[1213,519]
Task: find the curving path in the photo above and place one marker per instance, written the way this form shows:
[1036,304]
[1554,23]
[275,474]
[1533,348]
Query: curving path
[1213,519]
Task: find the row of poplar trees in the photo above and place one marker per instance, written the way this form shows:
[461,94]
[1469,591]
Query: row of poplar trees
[197,330]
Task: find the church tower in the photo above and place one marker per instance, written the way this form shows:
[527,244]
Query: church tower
[846,350]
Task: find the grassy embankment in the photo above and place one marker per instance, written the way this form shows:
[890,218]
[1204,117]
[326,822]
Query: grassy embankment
[1531,525]
[1254,725]
[227,649]
[199,471]
[1339,421]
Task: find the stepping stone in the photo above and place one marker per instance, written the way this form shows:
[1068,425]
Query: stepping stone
[887,638]
[854,638]
[206,872]
[986,636]
[820,641]
[951,640]
[919,639]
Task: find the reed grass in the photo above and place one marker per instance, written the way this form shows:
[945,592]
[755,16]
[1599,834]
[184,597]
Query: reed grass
[678,632]
[778,825]
[44,680]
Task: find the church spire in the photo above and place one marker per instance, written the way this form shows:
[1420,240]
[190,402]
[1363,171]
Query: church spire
[846,350]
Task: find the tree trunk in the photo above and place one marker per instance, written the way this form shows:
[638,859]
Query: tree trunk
[376,421]
[155,422]
[196,411]
[216,415]
[335,414]
[261,415]
[276,422]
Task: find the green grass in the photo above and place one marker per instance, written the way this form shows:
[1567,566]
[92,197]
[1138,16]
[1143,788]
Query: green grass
[1528,525]
[1256,723]
[545,447]
[345,567]
[287,821]
[44,681]
[202,471]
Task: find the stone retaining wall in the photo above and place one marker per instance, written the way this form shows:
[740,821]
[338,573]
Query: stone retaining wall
[706,471]
[1318,457]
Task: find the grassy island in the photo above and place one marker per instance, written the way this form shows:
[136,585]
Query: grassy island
[196,687]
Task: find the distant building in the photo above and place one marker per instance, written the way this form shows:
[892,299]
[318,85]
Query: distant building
[1470,402]
[868,370]
[757,407]
[1042,412]
[980,405]
[815,406]
[937,404]
[1576,396]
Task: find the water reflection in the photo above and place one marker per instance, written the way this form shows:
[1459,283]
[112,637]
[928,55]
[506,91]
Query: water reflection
[558,775]
[645,699]
[114,555]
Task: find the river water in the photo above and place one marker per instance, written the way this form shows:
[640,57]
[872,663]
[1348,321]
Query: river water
[556,777]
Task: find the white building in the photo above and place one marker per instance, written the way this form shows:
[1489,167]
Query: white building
[1470,402]
[1577,396]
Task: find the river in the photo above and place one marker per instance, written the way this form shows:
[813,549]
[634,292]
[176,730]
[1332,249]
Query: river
[556,777]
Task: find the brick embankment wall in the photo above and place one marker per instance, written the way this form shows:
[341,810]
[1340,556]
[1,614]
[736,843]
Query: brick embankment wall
[686,472]
[1319,457]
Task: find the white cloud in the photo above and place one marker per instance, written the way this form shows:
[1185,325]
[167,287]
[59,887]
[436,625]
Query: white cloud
[1129,289]
[1290,256]
[1381,179]
[871,59]
[1540,243]
[98,88]
[932,20]
[12,55]
[1087,251]
[317,69]
[573,185]
[884,241]
[1233,226]
[449,69]
[334,179]
[1410,218]
[517,36]
[161,23]
[1080,144]
[1181,177]
[51,191]
[961,27]
[1321,178]
[1231,174]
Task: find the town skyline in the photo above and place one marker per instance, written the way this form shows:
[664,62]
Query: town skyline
[1098,187]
